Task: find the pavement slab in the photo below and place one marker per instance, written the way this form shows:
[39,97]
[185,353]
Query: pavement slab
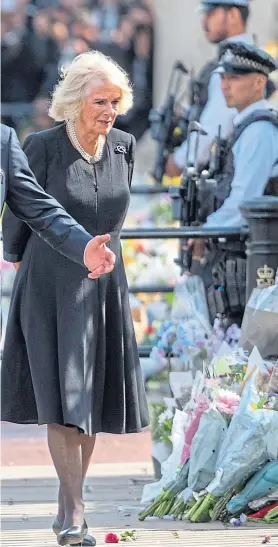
[112,496]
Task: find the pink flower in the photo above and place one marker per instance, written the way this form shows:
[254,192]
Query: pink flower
[227,402]
[6,265]
[192,428]
[111,538]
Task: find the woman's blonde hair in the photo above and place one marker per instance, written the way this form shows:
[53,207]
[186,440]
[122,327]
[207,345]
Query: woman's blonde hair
[84,69]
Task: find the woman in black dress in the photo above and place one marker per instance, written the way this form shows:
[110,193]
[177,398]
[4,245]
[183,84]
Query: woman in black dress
[70,358]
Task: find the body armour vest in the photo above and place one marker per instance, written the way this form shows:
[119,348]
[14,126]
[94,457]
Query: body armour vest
[225,178]
[199,90]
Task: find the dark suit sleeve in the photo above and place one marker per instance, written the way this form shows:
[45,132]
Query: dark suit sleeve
[29,202]
[132,149]
[15,232]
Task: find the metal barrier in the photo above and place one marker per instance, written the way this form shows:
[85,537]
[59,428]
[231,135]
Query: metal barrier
[186,232]
[175,233]
[147,189]
[261,215]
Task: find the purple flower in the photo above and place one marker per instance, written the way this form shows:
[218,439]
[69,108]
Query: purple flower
[239,522]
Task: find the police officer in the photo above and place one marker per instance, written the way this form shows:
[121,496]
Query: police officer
[222,20]
[248,168]
[249,165]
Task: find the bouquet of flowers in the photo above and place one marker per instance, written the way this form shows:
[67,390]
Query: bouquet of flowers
[252,434]
[267,401]
[227,403]
[205,449]
[154,210]
[161,423]
[262,483]
[149,263]
[227,437]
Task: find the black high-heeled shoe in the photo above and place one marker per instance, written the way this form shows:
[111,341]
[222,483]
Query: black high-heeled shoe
[88,541]
[72,535]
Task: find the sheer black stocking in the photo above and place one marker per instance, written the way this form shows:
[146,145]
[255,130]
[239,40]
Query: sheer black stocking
[71,469]
[65,445]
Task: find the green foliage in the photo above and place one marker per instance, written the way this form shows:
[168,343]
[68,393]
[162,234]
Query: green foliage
[160,431]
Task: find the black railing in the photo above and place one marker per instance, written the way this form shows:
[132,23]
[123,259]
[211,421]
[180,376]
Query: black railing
[176,233]
[186,232]
[144,189]
[148,289]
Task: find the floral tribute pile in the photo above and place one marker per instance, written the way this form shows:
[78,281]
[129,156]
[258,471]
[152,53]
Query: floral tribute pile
[222,423]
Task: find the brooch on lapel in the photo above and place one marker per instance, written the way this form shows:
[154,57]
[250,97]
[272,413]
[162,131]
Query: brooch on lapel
[120,149]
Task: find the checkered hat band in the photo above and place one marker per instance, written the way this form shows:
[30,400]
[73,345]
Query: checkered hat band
[227,2]
[244,62]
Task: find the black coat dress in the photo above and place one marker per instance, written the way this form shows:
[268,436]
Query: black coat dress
[70,355]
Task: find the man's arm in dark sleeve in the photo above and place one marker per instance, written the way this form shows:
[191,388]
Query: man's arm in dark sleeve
[30,203]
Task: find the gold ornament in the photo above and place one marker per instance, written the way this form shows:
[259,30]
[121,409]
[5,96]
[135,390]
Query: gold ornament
[266,277]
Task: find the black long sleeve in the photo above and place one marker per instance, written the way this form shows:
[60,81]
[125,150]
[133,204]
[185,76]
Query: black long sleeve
[30,203]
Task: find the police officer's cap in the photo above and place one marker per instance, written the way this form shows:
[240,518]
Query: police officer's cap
[210,5]
[240,58]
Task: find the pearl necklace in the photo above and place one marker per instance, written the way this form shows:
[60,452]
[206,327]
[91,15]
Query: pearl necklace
[90,159]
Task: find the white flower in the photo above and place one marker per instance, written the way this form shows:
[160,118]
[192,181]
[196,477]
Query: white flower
[166,415]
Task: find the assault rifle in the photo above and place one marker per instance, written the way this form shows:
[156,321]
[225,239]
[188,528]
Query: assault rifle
[194,199]
[169,124]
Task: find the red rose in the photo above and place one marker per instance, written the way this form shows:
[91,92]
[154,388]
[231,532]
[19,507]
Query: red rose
[111,538]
